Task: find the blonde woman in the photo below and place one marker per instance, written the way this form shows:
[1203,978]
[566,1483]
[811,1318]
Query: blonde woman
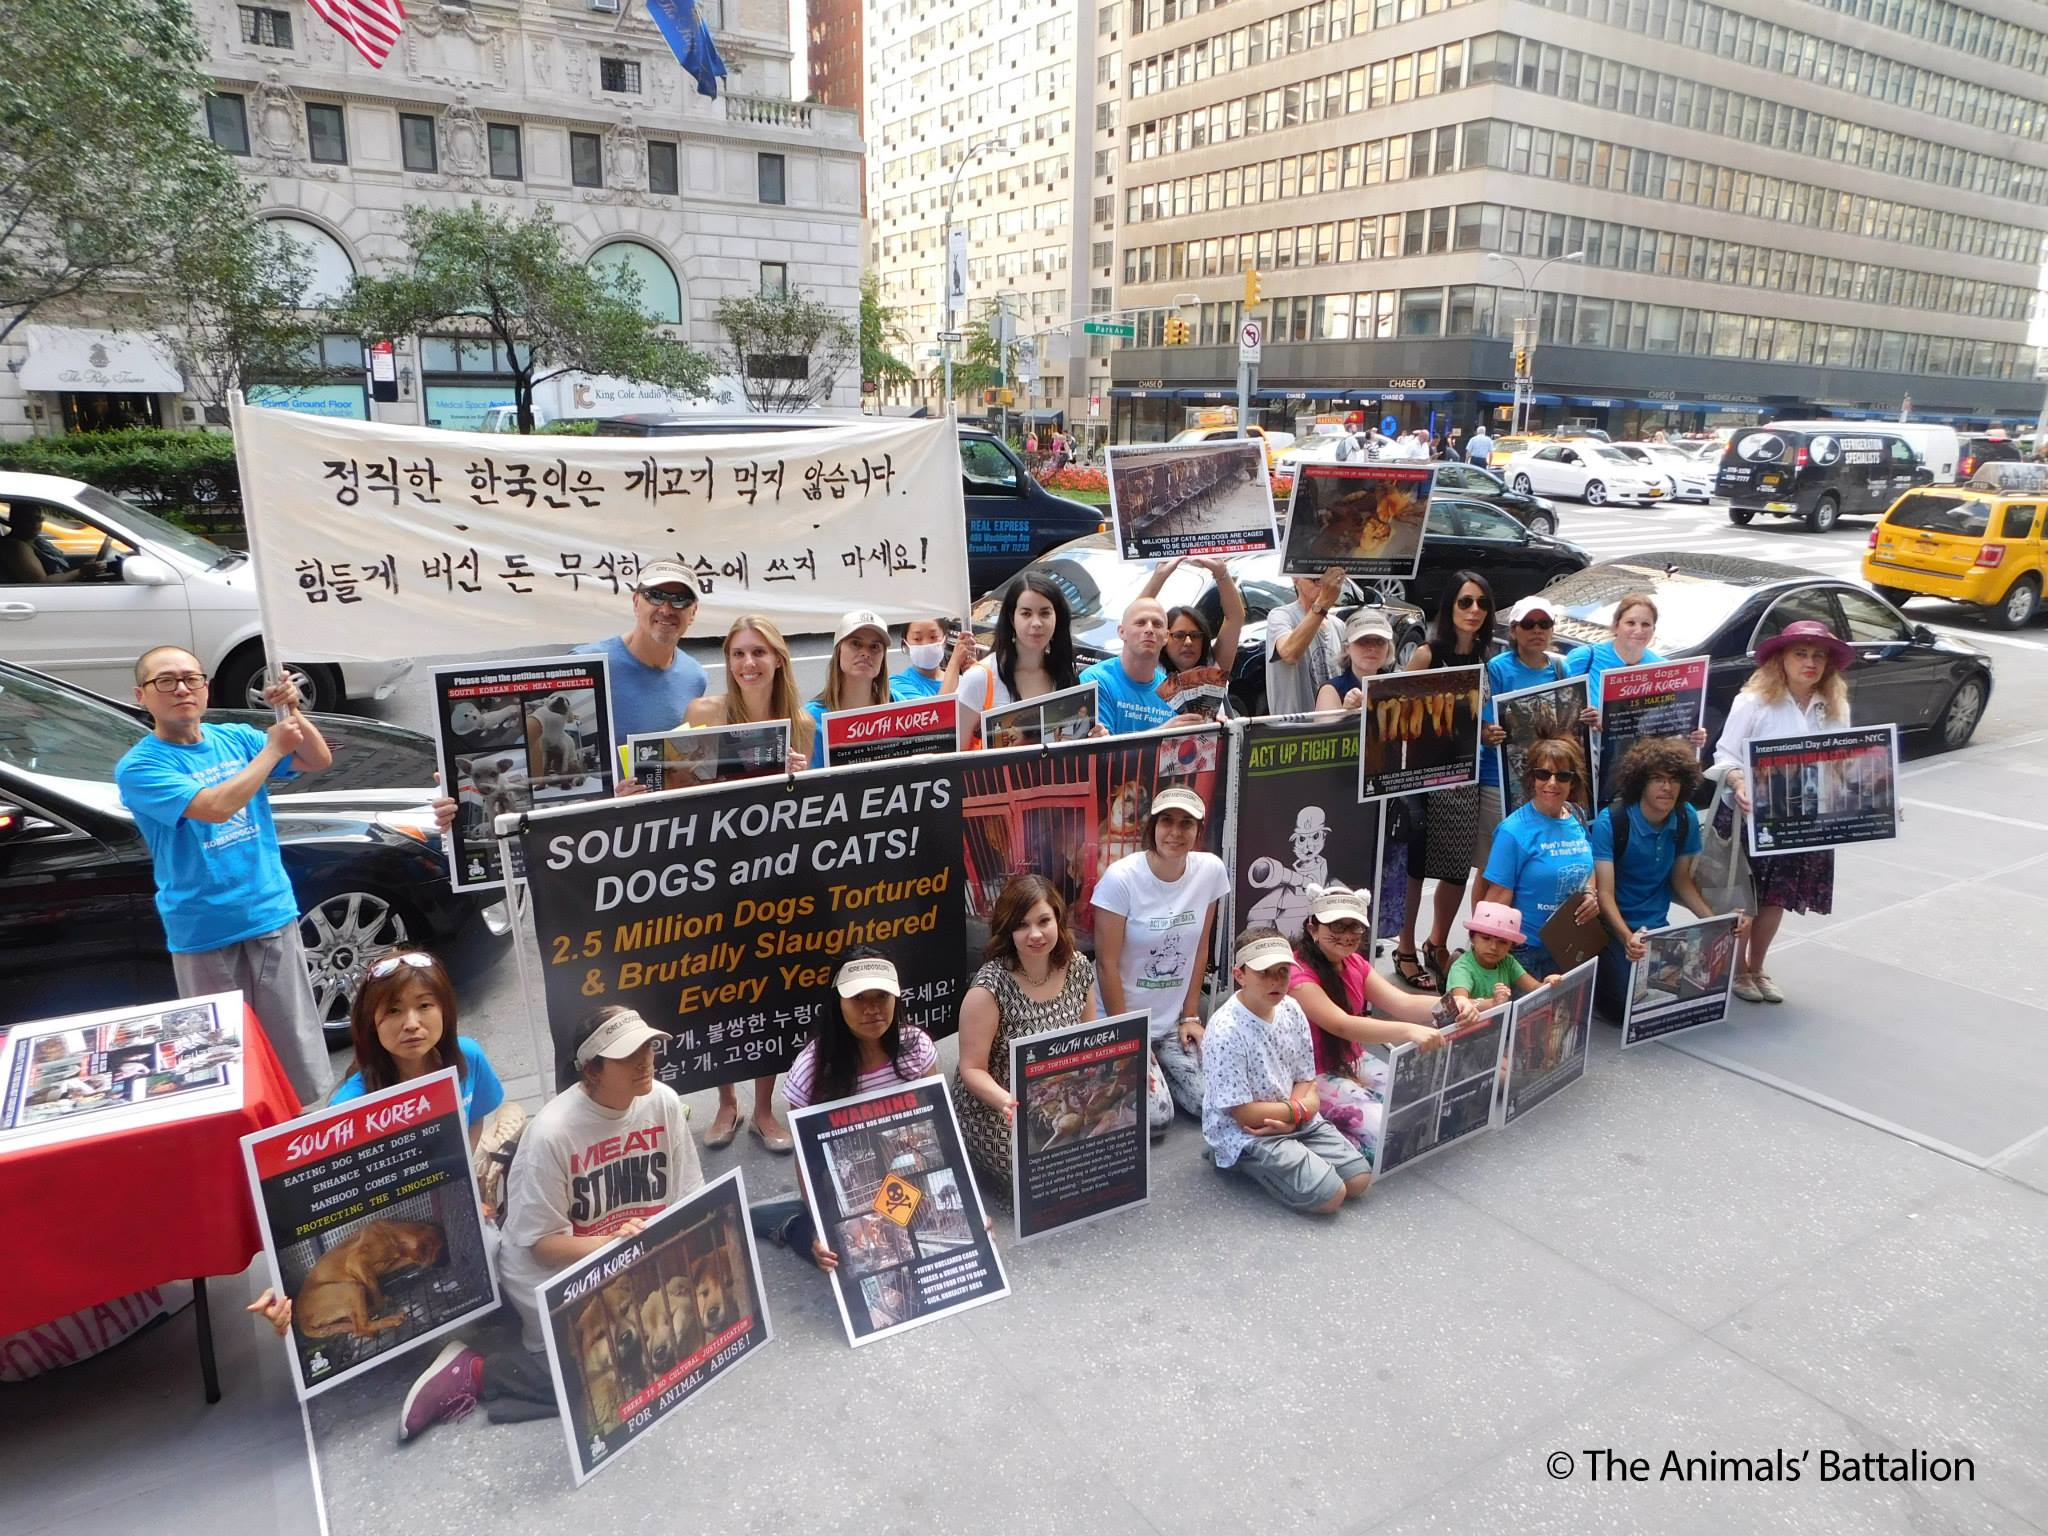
[855,677]
[1797,687]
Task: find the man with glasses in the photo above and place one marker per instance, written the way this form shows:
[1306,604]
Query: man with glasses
[198,794]
[652,679]
[1304,644]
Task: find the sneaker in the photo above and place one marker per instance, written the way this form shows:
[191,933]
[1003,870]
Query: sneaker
[1747,989]
[446,1390]
[1766,988]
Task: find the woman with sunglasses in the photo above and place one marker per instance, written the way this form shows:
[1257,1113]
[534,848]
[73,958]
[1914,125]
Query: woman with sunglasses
[760,685]
[1191,644]
[403,1024]
[1461,635]
[1032,654]
[1542,858]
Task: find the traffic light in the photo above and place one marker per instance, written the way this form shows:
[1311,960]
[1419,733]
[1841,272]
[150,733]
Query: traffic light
[1521,362]
[1178,333]
[1253,282]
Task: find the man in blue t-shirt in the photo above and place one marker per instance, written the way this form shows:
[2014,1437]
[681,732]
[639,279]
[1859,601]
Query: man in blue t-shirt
[652,680]
[1127,686]
[198,795]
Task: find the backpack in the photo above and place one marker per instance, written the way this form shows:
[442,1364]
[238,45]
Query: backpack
[1617,818]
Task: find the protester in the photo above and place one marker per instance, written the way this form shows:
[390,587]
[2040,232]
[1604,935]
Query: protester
[1526,663]
[1127,685]
[1033,978]
[1479,446]
[1455,836]
[860,1042]
[402,1021]
[1335,985]
[1032,653]
[1304,644]
[1542,859]
[1262,1114]
[1797,688]
[1369,651]
[856,675]
[1488,973]
[1191,644]
[932,673]
[199,797]
[1643,849]
[760,685]
[1634,627]
[652,680]
[1155,924]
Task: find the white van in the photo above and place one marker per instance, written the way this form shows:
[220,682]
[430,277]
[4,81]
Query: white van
[139,582]
[1939,447]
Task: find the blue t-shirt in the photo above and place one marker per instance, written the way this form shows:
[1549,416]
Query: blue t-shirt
[216,883]
[646,699]
[481,1090]
[815,708]
[1506,674]
[1642,881]
[1123,707]
[911,684]
[1544,860]
[1589,661]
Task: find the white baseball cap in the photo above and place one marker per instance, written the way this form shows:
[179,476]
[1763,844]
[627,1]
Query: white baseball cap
[1366,623]
[871,973]
[617,1037]
[856,621]
[1336,904]
[1528,606]
[1179,798]
[1263,954]
[665,573]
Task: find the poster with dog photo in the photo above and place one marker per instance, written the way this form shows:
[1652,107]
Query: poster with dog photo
[1833,789]
[1438,1098]
[1368,520]
[1547,1042]
[512,735]
[1530,715]
[1683,981]
[895,1199]
[371,1227]
[1065,715]
[1082,1145]
[1297,826]
[1419,731]
[712,754]
[646,1323]
[1190,499]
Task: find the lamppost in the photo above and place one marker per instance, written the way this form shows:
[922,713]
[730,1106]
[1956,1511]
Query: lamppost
[946,252]
[1525,332]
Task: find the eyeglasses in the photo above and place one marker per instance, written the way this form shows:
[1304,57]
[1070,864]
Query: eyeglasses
[419,962]
[1536,624]
[1473,602]
[1545,775]
[1345,930]
[170,682]
[663,597]
[1185,634]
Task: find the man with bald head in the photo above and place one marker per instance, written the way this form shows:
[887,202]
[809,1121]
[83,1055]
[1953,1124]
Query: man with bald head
[199,798]
[1127,686]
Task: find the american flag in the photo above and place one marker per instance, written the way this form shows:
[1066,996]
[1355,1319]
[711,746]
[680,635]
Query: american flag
[371,25]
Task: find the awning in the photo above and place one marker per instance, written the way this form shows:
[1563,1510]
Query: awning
[1507,397]
[1414,394]
[1209,396]
[1141,394]
[61,357]
[1601,402]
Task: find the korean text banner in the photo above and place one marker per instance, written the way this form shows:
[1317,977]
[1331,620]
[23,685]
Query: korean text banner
[376,542]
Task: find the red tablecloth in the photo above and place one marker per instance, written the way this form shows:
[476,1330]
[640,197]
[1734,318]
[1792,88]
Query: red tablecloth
[92,1219]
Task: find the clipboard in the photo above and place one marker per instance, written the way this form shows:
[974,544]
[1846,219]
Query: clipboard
[1570,942]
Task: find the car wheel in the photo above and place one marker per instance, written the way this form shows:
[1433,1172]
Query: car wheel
[1406,647]
[1741,517]
[339,932]
[1543,523]
[2020,605]
[1392,589]
[1824,513]
[205,491]
[239,683]
[1958,722]
[1596,493]
[1896,596]
[1521,483]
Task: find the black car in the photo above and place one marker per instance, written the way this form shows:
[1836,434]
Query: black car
[78,922]
[1464,534]
[1723,606]
[1820,474]
[1536,513]
[1980,448]
[1011,518]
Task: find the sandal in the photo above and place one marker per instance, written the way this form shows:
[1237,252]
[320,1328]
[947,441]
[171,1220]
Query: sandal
[1411,973]
[1437,958]
[714,1140]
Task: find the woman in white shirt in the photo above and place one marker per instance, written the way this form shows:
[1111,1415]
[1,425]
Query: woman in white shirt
[1797,687]
[1033,653]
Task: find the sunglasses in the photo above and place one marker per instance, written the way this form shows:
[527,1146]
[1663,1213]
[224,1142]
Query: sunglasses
[1346,929]
[1536,624]
[663,597]
[1545,775]
[1474,602]
[390,963]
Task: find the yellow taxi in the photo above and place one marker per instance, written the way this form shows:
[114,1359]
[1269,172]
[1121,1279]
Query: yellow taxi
[1275,443]
[1983,543]
[1505,448]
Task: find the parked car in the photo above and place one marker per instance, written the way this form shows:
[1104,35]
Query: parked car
[1985,543]
[1099,586]
[1820,474]
[1686,478]
[1722,606]
[159,585]
[1536,513]
[1980,448]
[1468,534]
[78,922]
[1586,470]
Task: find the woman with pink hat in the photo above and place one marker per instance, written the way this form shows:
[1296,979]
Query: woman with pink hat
[1797,687]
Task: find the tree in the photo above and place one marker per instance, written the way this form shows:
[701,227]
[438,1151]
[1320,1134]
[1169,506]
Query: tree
[880,330]
[786,349]
[478,272]
[101,159]
[233,300]
[986,365]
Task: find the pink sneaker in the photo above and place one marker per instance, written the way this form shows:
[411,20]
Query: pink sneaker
[446,1391]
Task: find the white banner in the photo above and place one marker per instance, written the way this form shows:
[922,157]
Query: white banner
[374,542]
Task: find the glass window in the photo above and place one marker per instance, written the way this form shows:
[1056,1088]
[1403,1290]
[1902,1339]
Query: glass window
[266,28]
[1422,311]
[227,122]
[662,174]
[1870,621]
[774,278]
[505,159]
[769,178]
[416,143]
[326,134]
[619,75]
[586,160]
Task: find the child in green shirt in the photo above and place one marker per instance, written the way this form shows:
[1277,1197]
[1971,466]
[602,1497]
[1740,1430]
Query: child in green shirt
[1488,972]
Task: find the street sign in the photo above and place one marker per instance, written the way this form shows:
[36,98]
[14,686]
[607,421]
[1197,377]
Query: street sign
[1250,337]
[1122,328]
[949,336]
[956,269]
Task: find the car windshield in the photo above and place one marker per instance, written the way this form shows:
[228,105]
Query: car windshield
[1941,512]
[54,733]
[169,535]
[1690,609]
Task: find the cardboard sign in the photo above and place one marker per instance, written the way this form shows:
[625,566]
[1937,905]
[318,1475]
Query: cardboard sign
[1368,520]
[1419,731]
[1547,1044]
[1665,698]
[1297,826]
[1833,789]
[1529,715]
[882,732]
[1067,715]
[1082,1148]
[1438,1098]
[1171,499]
[1683,982]
[714,754]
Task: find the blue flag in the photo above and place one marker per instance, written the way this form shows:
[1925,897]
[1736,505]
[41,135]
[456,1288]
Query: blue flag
[690,41]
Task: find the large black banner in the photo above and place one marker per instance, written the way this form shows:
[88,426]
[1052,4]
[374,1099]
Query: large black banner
[720,914]
[1082,1143]
[1299,822]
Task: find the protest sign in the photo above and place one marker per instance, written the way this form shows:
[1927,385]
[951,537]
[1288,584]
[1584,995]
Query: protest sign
[1832,789]
[720,914]
[882,732]
[1068,715]
[512,735]
[1683,981]
[1440,1097]
[1298,824]
[1529,715]
[1662,698]
[1547,1042]
[375,542]
[120,1069]
[1082,1145]
[1199,693]
[896,1201]
[1419,731]
[1171,499]
[647,1322]
[1368,520]
[712,754]
[371,1227]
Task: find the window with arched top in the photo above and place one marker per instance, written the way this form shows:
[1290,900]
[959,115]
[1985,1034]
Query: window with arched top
[661,296]
[329,269]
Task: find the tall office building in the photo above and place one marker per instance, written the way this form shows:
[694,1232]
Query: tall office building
[833,38]
[1710,209]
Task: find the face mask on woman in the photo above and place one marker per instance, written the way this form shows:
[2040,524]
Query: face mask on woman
[928,658]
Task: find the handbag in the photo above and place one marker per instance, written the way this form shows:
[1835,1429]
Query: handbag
[1721,870]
